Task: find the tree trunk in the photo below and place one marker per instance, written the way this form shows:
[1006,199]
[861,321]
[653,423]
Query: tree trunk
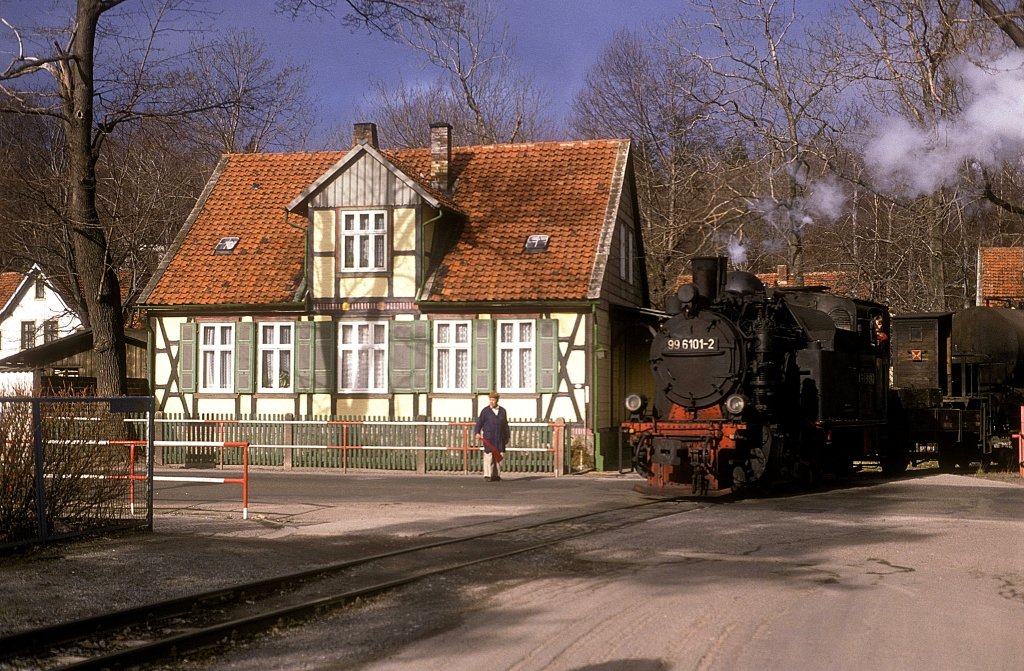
[93,267]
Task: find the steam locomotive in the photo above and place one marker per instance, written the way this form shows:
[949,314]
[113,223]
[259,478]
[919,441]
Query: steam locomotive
[757,386]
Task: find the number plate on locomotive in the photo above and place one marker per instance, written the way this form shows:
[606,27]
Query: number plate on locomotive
[691,344]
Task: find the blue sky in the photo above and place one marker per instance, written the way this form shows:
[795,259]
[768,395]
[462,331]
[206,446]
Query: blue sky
[556,41]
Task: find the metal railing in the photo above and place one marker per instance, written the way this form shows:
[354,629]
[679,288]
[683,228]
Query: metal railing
[64,464]
[423,446]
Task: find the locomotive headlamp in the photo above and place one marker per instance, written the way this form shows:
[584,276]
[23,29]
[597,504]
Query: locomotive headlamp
[735,404]
[635,403]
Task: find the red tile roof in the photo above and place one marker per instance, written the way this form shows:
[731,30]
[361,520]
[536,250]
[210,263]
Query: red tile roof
[247,200]
[839,282]
[504,193]
[513,191]
[1001,274]
[9,283]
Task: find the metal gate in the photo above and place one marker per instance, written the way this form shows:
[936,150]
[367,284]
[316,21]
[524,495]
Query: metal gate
[75,465]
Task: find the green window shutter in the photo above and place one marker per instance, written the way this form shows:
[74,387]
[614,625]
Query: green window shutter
[483,355]
[304,357]
[324,357]
[410,356]
[547,355]
[244,357]
[187,357]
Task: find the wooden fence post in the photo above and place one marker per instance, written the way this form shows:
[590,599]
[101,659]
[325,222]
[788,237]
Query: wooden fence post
[560,440]
[158,434]
[289,440]
[421,441]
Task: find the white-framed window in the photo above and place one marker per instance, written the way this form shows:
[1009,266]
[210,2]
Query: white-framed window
[363,242]
[28,335]
[217,353]
[275,356]
[40,289]
[451,355]
[626,254]
[363,356]
[516,354]
[50,330]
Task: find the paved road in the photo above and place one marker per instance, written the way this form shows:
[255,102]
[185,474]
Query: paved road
[921,574]
[317,503]
[924,573]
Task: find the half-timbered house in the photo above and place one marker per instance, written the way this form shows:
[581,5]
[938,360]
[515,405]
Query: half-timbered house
[406,284]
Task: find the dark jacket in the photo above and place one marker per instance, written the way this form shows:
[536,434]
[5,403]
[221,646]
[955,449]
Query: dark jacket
[494,427]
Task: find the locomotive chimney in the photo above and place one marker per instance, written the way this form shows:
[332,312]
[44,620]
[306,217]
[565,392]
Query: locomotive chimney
[709,275]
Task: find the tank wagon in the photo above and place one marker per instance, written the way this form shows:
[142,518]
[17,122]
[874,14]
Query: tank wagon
[958,386]
[755,386]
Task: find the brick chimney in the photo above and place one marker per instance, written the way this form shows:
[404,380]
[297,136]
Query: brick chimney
[782,275]
[440,156]
[364,133]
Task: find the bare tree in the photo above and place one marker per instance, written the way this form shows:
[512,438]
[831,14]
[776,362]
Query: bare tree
[778,91]
[685,173]
[252,103]
[403,112]
[72,67]
[915,58]
[383,16]
[478,90]
[113,178]
[1008,20]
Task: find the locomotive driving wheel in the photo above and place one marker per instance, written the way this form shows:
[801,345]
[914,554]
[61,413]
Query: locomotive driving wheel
[758,459]
[642,456]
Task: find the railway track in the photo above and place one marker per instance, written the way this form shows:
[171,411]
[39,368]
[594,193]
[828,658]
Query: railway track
[168,630]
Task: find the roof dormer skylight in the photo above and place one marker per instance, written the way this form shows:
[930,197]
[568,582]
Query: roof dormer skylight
[226,245]
[536,243]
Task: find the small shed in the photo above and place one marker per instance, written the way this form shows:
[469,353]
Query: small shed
[67,364]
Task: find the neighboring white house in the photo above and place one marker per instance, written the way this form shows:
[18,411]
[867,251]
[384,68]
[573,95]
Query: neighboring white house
[33,313]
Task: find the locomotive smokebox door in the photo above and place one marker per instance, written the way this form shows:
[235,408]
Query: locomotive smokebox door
[667,451]
[698,361]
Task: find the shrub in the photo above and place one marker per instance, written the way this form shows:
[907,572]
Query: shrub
[83,482]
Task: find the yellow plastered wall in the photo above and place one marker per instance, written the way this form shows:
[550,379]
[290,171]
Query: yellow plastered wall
[273,405]
[405,406]
[323,277]
[405,229]
[363,287]
[404,276]
[162,365]
[324,234]
[323,267]
[372,407]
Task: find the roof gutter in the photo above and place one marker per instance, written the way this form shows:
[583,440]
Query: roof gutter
[490,306]
[221,308]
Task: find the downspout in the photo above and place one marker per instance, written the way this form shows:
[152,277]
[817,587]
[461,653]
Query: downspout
[421,282]
[308,249]
[592,405]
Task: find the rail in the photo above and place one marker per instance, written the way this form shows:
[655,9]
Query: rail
[371,444]
[133,476]
[243,480]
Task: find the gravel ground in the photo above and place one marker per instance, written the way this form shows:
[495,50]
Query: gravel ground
[199,551]
[185,554]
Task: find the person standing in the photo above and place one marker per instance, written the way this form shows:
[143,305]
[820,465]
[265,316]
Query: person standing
[492,429]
